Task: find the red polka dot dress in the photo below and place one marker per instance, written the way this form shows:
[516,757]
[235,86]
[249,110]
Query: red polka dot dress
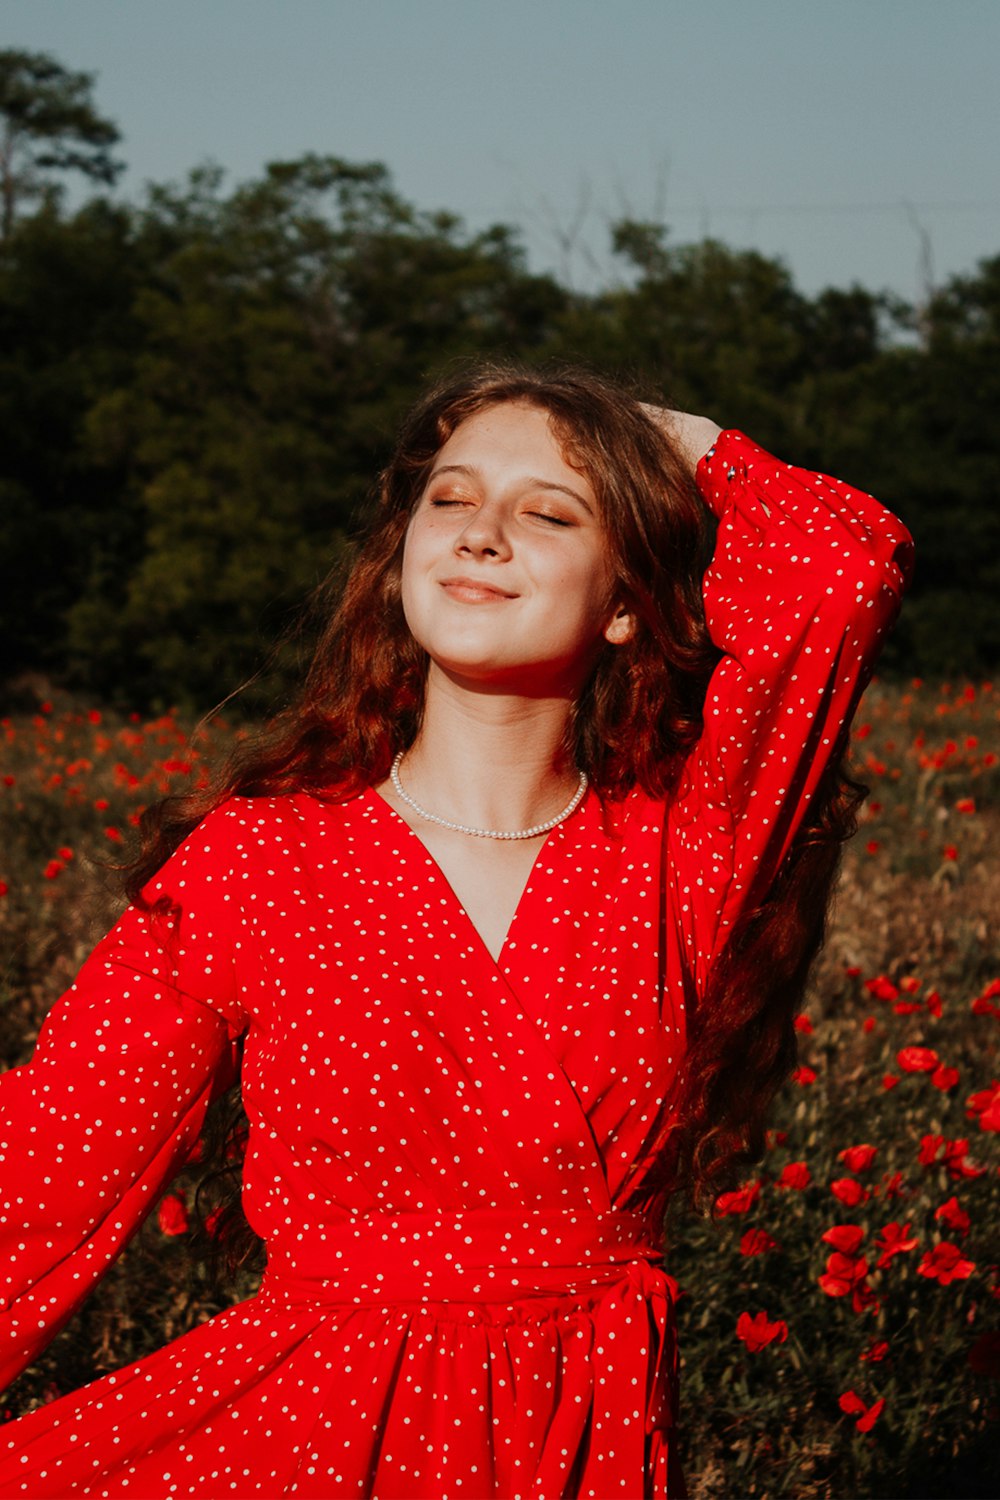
[449,1155]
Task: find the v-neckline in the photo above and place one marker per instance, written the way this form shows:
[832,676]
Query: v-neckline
[557,833]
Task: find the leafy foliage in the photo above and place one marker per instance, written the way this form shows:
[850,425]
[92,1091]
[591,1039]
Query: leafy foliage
[49,125]
[198,389]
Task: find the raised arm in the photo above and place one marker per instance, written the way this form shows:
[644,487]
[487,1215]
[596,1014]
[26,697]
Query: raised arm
[109,1107]
[805,584]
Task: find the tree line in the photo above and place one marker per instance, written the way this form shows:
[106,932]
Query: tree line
[197,388]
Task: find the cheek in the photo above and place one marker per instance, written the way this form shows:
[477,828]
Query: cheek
[583,588]
[408,570]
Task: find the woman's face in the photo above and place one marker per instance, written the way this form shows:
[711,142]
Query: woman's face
[505,567]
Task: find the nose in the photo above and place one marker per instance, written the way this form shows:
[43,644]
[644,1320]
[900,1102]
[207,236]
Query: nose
[484,534]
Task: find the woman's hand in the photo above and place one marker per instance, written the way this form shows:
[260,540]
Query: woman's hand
[692,436]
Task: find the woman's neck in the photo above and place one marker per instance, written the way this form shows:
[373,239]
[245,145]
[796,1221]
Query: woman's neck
[490,760]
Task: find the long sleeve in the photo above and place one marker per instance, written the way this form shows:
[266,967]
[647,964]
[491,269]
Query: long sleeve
[805,583]
[108,1109]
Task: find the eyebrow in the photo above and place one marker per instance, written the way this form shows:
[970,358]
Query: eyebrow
[538,484]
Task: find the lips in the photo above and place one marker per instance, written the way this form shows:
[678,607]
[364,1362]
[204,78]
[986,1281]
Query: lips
[474,590]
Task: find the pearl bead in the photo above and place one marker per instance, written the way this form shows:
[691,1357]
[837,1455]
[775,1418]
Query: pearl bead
[488,833]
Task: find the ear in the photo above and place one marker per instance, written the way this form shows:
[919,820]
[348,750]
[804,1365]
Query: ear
[620,627]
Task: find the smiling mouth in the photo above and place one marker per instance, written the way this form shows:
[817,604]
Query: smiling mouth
[473,592]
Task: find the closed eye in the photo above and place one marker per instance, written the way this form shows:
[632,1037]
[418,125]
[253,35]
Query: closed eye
[540,515]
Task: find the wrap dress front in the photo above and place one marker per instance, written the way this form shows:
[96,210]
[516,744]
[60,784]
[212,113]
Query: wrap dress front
[450,1157]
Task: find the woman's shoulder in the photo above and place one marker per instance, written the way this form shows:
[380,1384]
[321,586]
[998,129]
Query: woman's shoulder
[245,835]
[276,814]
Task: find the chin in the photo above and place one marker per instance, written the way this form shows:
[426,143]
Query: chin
[531,678]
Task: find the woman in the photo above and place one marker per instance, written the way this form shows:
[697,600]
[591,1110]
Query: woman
[505,922]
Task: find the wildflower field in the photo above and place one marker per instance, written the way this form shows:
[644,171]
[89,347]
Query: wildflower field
[840,1317]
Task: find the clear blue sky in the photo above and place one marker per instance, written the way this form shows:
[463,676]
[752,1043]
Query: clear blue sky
[800,127]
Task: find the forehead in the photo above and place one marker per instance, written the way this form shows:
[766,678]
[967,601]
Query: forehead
[512,436]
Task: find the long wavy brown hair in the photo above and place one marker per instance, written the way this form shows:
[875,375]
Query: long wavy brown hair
[634,723]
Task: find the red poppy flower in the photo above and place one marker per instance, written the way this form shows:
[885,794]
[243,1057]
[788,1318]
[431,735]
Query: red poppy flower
[944,1078]
[93,716]
[953,1214]
[949,852]
[868,1025]
[804,1075]
[957,1161]
[844,1237]
[852,1404]
[756,1242]
[882,988]
[848,1191]
[852,971]
[892,1187]
[172,1215]
[945,1263]
[910,984]
[934,1003]
[52,869]
[863,1299]
[66,854]
[930,1148]
[114,834]
[212,1222]
[907,1007]
[795,1175]
[917,1059]
[843,1273]
[875,1353]
[857,1158]
[757,1332]
[804,1025]
[965,805]
[890,1080]
[4,887]
[872,846]
[175,767]
[739,1201]
[894,1239]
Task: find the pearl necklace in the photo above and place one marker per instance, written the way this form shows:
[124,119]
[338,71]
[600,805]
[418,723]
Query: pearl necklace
[488,833]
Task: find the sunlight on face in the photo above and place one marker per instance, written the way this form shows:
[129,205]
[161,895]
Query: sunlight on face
[505,566]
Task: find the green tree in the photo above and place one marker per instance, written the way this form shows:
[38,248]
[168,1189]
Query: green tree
[67,334]
[715,330]
[49,124]
[284,329]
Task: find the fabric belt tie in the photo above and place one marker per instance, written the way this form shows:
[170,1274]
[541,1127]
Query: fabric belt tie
[504,1256]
